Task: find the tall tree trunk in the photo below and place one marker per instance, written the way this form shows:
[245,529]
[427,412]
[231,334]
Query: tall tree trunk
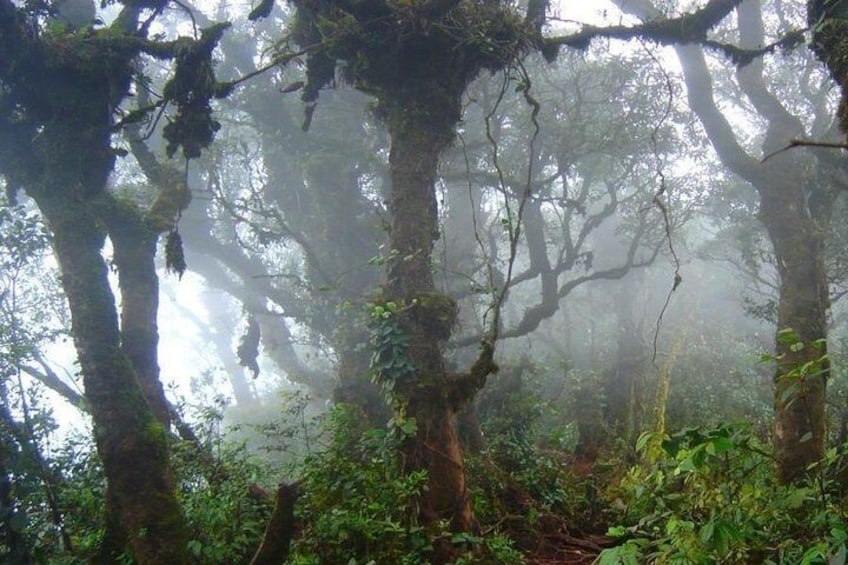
[421,126]
[132,443]
[418,64]
[799,399]
[134,254]
[433,397]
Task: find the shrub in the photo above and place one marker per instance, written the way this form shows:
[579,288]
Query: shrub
[712,497]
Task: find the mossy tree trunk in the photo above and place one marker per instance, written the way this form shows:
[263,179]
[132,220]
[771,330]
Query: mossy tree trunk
[134,247]
[131,441]
[418,60]
[799,396]
[419,134]
[56,124]
[134,252]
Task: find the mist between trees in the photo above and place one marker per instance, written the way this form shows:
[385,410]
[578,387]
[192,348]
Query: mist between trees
[428,281]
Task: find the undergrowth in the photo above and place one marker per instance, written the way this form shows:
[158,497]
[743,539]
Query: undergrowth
[711,496]
[359,506]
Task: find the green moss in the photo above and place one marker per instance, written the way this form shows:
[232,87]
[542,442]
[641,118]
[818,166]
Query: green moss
[155,431]
[436,312]
[170,201]
[392,47]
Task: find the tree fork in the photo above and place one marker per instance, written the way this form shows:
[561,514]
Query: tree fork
[132,443]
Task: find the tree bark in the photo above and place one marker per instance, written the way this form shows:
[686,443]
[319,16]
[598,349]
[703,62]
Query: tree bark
[274,548]
[132,443]
[134,248]
[414,158]
[799,399]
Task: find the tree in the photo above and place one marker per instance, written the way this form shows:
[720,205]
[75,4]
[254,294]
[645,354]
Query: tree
[796,191]
[417,61]
[829,23]
[59,91]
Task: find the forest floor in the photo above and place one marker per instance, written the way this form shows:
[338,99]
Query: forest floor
[557,540]
[554,540]
[559,548]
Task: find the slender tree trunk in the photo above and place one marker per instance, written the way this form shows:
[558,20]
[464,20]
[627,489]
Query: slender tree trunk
[134,255]
[132,443]
[625,385]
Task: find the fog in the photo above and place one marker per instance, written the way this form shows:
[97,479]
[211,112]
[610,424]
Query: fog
[540,266]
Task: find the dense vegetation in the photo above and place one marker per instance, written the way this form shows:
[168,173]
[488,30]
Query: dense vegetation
[437,281]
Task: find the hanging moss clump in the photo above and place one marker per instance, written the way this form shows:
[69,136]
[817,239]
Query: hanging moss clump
[191,89]
[174,254]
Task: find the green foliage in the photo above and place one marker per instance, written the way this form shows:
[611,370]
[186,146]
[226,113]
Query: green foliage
[24,290]
[358,506]
[390,365]
[713,498]
[718,379]
[81,497]
[793,376]
[515,420]
[221,491]
[284,433]
[23,237]
[493,549]
[28,529]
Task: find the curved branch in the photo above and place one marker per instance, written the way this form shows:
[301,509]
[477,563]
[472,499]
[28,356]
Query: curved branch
[549,305]
[48,377]
[688,28]
[783,125]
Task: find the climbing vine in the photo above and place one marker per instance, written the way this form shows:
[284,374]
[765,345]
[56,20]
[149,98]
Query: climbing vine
[391,366]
